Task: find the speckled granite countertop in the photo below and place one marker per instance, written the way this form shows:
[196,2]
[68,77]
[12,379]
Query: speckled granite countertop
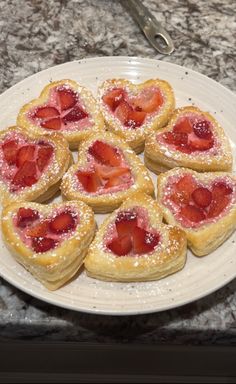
[37,34]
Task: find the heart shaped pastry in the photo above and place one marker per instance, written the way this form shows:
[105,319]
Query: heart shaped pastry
[134,245]
[192,139]
[202,204]
[31,165]
[133,111]
[66,107]
[107,172]
[50,241]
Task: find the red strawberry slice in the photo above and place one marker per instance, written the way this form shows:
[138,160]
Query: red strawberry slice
[26,216]
[39,230]
[67,98]
[106,172]
[44,155]
[186,184]
[202,129]
[63,222]
[43,244]
[217,206]
[113,182]
[113,98]
[122,111]
[125,223]
[149,100]
[135,119]
[75,114]
[26,175]
[183,126]
[200,144]
[90,180]
[54,124]
[220,189]
[192,213]
[25,153]
[121,246]
[10,149]
[144,241]
[46,112]
[202,197]
[184,188]
[105,153]
[176,138]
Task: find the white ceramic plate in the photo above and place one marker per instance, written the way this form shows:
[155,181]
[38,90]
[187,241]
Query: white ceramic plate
[200,276]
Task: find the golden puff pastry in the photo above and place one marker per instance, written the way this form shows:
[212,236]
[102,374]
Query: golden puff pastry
[31,165]
[192,139]
[132,111]
[66,107]
[201,204]
[107,173]
[134,245]
[50,241]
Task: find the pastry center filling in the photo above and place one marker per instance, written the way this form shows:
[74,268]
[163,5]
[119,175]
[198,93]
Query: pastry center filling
[23,161]
[106,171]
[63,111]
[190,134]
[44,234]
[130,234]
[132,111]
[193,203]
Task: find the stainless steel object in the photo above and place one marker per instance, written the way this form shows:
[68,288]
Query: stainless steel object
[153,30]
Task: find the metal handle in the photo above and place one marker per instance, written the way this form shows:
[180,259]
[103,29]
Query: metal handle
[152,29]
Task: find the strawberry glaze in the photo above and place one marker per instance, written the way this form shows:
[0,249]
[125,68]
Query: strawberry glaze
[8,171]
[80,125]
[175,208]
[58,238]
[142,222]
[188,137]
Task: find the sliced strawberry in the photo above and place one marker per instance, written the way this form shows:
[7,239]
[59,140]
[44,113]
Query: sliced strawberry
[176,138]
[144,241]
[54,124]
[114,97]
[220,189]
[135,119]
[125,223]
[26,175]
[202,197]
[90,180]
[185,187]
[106,172]
[26,216]
[63,222]
[67,98]
[183,126]
[202,129]
[39,230]
[122,112]
[120,246]
[75,114]
[105,153]
[217,206]
[10,149]
[46,112]
[43,244]
[113,182]
[44,155]
[193,213]
[198,144]
[25,153]
[148,101]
